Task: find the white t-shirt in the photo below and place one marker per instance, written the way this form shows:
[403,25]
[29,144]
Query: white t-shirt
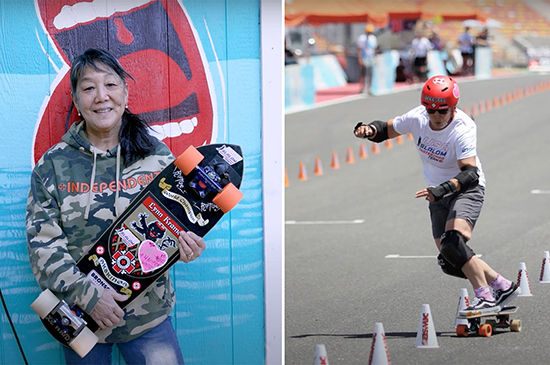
[440,150]
[421,46]
[367,45]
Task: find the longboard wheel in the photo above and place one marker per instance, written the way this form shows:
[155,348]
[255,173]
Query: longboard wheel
[515,325]
[228,198]
[188,160]
[485,330]
[462,330]
[84,342]
[45,303]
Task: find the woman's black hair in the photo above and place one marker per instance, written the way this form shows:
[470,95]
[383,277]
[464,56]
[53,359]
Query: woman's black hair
[135,140]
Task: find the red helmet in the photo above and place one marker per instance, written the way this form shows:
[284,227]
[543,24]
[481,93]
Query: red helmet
[440,92]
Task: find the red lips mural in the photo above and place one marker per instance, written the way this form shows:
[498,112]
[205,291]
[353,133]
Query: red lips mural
[155,42]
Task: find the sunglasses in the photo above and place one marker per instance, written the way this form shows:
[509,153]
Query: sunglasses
[440,111]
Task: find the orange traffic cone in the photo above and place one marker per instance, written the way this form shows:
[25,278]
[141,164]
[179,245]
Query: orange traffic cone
[399,139]
[335,164]
[349,156]
[489,104]
[410,136]
[496,101]
[303,174]
[318,167]
[363,151]
[388,143]
[286,179]
[503,99]
[375,149]
[475,111]
[482,107]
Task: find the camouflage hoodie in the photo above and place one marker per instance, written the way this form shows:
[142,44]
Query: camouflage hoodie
[65,217]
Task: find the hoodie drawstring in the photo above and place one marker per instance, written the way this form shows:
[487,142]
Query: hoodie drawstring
[87,211]
[90,194]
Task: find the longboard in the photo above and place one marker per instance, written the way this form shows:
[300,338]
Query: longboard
[191,194]
[501,320]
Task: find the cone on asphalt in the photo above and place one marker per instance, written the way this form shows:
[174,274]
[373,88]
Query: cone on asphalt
[409,136]
[335,163]
[320,355]
[379,354]
[426,337]
[463,303]
[388,143]
[375,149]
[523,281]
[349,156]
[318,167]
[302,175]
[286,179]
[545,269]
[363,151]
[399,139]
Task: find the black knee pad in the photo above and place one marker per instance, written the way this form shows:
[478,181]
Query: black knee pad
[454,249]
[449,269]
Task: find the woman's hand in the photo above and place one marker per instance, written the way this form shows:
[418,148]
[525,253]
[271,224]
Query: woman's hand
[425,193]
[190,246]
[107,312]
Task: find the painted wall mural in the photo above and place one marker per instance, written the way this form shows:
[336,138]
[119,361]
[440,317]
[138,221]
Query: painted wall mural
[196,79]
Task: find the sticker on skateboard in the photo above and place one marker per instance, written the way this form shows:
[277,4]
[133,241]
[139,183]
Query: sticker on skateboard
[191,194]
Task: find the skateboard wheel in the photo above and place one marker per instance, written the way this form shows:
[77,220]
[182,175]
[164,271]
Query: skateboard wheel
[462,330]
[485,330]
[84,342]
[45,303]
[515,325]
[228,198]
[188,160]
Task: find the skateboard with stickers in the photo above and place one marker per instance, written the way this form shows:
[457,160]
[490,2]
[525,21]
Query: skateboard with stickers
[501,320]
[190,194]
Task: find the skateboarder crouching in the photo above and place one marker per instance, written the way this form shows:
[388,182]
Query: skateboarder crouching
[77,192]
[446,142]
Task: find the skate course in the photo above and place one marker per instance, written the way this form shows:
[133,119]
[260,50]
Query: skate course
[358,244]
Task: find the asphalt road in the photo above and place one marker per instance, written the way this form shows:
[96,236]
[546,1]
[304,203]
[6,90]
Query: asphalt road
[342,225]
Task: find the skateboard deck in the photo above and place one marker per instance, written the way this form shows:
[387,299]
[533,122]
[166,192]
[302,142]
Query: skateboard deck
[191,194]
[501,320]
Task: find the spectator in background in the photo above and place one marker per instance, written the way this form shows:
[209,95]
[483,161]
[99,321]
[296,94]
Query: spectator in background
[420,47]
[435,40]
[482,39]
[290,58]
[466,43]
[367,46]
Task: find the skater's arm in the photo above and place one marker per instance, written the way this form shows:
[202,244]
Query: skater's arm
[52,265]
[376,131]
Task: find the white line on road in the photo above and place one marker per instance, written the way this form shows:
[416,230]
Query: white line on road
[355,221]
[538,191]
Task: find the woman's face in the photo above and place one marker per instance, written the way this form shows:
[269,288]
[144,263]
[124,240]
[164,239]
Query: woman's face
[101,97]
[440,121]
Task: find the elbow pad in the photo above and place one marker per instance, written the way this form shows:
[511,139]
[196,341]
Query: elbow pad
[468,177]
[381,131]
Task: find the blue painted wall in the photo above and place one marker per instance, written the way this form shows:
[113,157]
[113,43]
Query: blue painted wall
[219,315]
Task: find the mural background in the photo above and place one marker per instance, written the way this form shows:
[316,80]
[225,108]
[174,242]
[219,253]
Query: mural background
[219,315]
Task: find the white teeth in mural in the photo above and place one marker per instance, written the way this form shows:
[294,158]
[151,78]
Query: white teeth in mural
[174,129]
[86,11]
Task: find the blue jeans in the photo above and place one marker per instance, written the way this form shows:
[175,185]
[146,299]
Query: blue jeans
[158,346]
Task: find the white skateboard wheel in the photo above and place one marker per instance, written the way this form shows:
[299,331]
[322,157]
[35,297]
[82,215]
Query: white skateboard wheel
[84,342]
[45,303]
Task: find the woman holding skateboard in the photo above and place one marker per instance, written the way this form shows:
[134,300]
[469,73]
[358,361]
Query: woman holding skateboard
[76,193]
[446,142]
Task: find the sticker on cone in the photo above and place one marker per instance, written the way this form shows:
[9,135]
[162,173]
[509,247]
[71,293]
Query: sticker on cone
[523,281]
[426,337]
[320,355]
[379,354]
[463,303]
[545,269]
